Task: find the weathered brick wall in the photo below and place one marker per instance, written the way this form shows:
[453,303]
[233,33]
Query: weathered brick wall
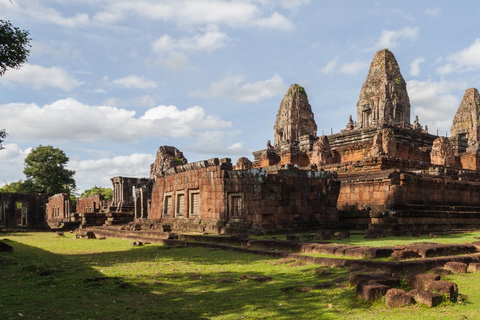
[252,198]
[285,199]
[58,207]
[206,182]
[89,204]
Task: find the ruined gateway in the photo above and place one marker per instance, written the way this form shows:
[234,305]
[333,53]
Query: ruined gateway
[381,171]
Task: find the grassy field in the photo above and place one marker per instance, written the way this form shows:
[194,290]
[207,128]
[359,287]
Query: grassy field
[49,277]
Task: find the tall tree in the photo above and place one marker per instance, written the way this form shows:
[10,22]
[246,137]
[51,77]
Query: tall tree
[45,167]
[14,46]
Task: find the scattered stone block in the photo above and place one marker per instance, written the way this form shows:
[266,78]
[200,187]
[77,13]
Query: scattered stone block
[370,292]
[91,235]
[427,298]
[420,281]
[456,267]
[405,254]
[374,253]
[325,235]
[443,287]
[397,298]
[473,267]
[5,247]
[387,280]
[441,271]
[59,234]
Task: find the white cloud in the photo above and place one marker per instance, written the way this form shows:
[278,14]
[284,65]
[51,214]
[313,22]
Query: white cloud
[330,66]
[275,21]
[293,4]
[173,53]
[39,12]
[188,13]
[249,92]
[467,59]
[218,143]
[11,163]
[134,81]
[98,172]
[40,77]
[435,103]
[415,67]
[70,119]
[389,38]
[353,67]
[209,41]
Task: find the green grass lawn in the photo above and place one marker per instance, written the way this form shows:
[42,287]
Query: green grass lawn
[49,277]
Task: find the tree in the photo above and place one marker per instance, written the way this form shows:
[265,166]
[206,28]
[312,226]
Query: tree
[107,192]
[18,187]
[45,167]
[14,46]
[3,135]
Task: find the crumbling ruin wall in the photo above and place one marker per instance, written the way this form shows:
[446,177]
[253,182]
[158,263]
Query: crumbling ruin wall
[59,209]
[209,196]
[90,204]
[410,201]
[285,199]
[22,210]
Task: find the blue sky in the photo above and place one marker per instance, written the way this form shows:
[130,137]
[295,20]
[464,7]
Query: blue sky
[109,81]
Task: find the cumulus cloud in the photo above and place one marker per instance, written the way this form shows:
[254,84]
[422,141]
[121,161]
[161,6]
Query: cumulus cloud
[134,81]
[415,67]
[188,13]
[173,53]
[435,103]
[11,163]
[70,119]
[234,87]
[91,172]
[40,77]
[467,59]
[353,67]
[218,143]
[36,10]
[389,38]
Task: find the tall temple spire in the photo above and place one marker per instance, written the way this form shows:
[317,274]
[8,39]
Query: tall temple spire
[294,117]
[466,122]
[384,97]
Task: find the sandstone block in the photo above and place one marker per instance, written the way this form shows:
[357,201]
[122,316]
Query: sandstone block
[420,281]
[397,298]
[443,287]
[370,292]
[405,254]
[473,267]
[427,298]
[456,267]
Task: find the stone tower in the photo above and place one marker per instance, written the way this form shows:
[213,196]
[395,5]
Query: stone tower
[384,97]
[294,117]
[466,121]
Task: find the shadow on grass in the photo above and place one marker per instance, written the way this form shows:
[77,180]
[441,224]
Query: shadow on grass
[154,282]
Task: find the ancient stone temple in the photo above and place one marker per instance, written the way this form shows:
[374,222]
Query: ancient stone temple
[381,172]
[383,97]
